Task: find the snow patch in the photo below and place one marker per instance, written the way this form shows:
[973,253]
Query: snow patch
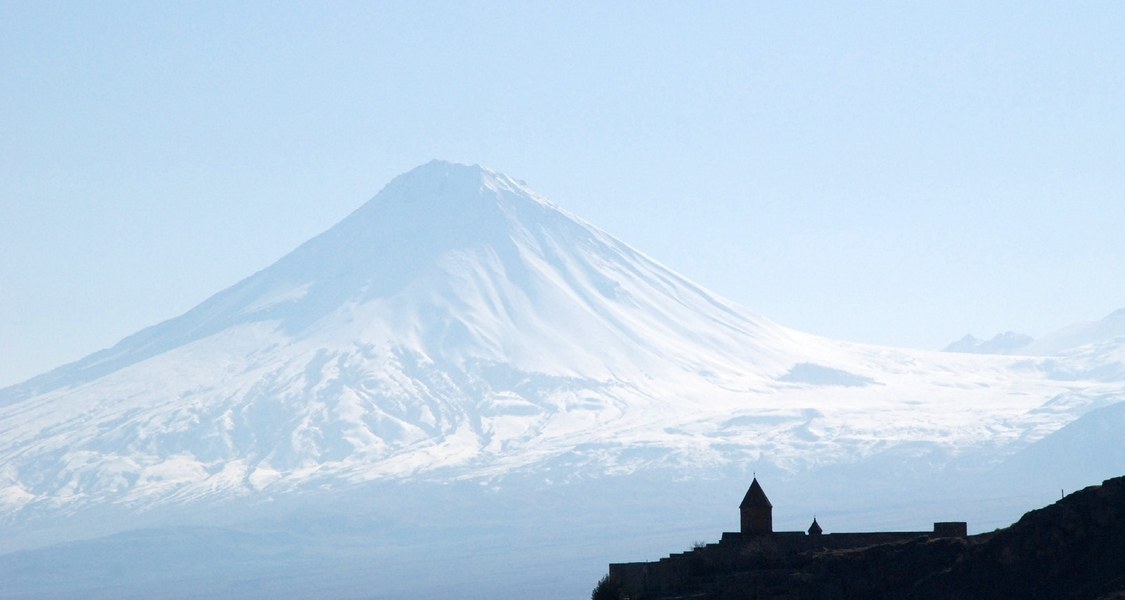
[814,374]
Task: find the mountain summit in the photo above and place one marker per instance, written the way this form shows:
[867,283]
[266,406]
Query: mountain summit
[429,235]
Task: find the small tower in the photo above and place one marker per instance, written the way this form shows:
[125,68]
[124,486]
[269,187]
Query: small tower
[815,529]
[756,511]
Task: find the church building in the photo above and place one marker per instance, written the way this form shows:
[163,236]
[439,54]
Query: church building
[756,511]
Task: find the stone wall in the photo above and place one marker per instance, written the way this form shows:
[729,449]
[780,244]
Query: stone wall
[745,552]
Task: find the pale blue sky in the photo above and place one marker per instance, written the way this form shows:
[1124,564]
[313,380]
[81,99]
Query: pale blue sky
[899,173]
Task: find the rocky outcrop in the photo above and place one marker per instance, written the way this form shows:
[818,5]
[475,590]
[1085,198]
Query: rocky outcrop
[1074,548]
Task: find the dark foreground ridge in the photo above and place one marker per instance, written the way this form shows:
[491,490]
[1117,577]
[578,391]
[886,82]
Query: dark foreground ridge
[1072,549]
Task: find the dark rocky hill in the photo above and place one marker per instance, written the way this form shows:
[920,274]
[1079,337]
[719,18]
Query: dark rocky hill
[1072,549]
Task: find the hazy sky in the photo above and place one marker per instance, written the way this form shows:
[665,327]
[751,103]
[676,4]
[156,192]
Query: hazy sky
[900,173]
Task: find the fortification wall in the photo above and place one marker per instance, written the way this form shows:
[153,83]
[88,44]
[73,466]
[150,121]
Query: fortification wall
[740,552]
[797,541]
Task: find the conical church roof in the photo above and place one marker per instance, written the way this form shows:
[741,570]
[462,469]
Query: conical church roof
[815,528]
[755,497]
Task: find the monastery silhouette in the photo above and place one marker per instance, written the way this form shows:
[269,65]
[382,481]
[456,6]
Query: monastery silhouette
[756,546]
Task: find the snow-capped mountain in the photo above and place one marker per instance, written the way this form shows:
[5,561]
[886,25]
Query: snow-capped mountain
[456,320]
[1008,342]
[460,327]
[1108,331]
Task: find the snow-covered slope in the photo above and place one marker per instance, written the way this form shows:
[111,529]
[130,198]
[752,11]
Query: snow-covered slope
[458,326]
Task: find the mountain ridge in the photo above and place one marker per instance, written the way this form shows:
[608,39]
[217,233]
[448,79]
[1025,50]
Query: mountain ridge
[1105,331]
